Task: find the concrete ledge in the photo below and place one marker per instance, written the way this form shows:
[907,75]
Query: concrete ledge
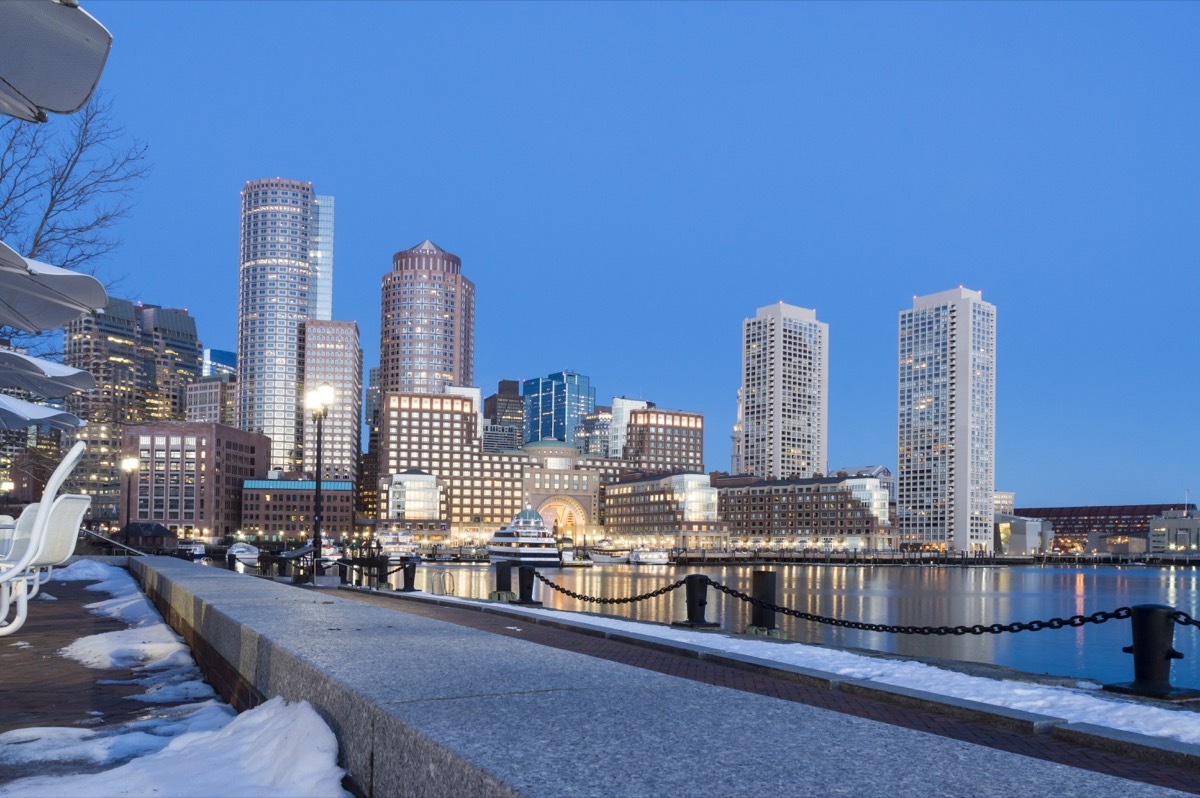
[1152,749]
[423,707]
[976,711]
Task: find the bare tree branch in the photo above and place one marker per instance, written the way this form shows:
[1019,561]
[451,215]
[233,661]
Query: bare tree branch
[65,189]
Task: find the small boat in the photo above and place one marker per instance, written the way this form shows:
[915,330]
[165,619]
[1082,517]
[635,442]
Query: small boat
[645,555]
[605,551]
[572,557]
[525,541]
[397,544]
[245,553]
[193,551]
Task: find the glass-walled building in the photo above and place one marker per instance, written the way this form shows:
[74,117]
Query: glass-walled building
[416,501]
[555,405]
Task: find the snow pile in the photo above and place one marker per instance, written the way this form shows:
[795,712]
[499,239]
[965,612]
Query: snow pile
[1081,704]
[200,748]
[255,754]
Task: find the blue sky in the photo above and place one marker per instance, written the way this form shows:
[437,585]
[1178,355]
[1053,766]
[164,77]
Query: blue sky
[626,182]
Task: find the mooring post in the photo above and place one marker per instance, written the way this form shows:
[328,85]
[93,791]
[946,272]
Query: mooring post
[695,587]
[231,561]
[762,588]
[381,571]
[410,576]
[525,584]
[1152,650]
[503,591]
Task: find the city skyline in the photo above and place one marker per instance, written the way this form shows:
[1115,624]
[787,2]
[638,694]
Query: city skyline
[959,146]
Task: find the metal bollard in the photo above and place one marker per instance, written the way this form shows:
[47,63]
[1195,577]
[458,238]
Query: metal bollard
[696,588]
[763,589]
[381,571]
[503,577]
[525,580]
[231,561]
[410,577]
[1152,650]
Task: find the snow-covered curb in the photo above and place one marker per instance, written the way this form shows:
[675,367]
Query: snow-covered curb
[251,754]
[1081,704]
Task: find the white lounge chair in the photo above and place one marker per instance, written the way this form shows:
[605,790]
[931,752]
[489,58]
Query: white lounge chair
[44,536]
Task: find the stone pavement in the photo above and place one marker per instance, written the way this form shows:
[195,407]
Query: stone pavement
[662,661]
[436,700]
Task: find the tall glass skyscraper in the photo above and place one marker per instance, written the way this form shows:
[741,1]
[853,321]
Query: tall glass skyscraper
[784,400]
[946,422]
[427,329]
[320,258]
[555,404]
[277,293]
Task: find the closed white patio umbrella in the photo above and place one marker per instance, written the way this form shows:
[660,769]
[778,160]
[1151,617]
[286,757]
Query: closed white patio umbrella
[51,55]
[42,377]
[36,296]
[17,413]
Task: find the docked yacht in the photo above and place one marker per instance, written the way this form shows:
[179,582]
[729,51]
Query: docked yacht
[605,551]
[525,541]
[245,553]
[397,545]
[646,555]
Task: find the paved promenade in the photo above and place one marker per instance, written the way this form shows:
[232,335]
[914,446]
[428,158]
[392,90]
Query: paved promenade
[435,700]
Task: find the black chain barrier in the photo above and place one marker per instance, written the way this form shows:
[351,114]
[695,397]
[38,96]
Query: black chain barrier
[1183,619]
[1075,621]
[662,591]
[978,629]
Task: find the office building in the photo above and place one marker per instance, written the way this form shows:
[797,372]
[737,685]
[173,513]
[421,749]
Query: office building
[676,511]
[416,502]
[320,258]
[501,438]
[659,441]
[281,510]
[619,423]
[427,330]
[946,422]
[332,356]
[143,358]
[189,476]
[592,432]
[555,405]
[213,400]
[218,361]
[785,393]
[1004,501]
[277,293]
[506,407]
[814,513]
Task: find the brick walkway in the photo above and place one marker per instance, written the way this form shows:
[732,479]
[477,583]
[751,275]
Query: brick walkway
[40,687]
[1036,746]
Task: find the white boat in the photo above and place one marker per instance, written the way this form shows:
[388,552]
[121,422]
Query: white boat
[645,555]
[525,541]
[245,553]
[193,551]
[396,544]
[605,551]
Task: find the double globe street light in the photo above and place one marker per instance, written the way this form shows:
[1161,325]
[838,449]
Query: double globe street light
[318,401]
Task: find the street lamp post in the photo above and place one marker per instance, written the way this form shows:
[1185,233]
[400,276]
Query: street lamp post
[129,466]
[318,402]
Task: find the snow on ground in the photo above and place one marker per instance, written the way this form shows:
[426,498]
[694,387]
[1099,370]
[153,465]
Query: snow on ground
[250,754]
[1081,704]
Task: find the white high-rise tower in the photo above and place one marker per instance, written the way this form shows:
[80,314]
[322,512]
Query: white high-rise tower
[277,292]
[785,394]
[946,421]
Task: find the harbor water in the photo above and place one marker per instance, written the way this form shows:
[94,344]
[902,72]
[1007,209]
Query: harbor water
[904,595]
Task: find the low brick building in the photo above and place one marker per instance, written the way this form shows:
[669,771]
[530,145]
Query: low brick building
[281,510]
